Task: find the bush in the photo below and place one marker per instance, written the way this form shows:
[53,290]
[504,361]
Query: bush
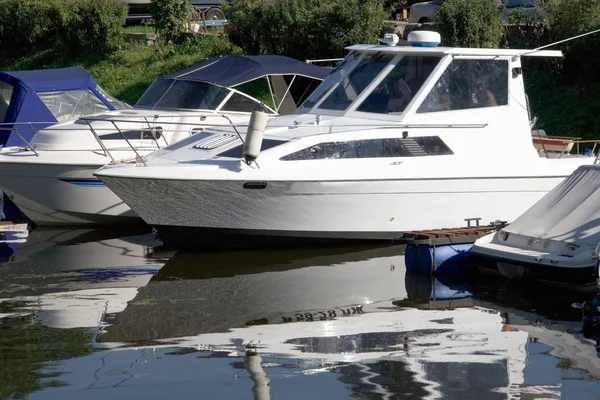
[75,26]
[304,29]
[91,26]
[170,17]
[468,23]
[568,18]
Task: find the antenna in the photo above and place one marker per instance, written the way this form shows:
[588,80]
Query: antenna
[555,43]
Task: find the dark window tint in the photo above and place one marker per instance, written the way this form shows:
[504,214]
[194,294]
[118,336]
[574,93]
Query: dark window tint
[188,95]
[154,92]
[373,148]
[469,84]
[240,103]
[238,151]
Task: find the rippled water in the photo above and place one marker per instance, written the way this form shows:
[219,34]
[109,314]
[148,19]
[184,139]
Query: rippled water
[88,314]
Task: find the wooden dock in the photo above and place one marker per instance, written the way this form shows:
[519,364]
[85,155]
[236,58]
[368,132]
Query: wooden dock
[436,237]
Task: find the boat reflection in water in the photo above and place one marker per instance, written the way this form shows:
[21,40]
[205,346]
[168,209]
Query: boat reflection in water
[100,270]
[296,324]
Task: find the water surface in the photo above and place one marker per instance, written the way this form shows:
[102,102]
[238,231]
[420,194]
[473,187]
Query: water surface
[99,314]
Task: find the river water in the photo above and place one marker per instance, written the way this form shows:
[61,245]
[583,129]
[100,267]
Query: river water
[104,314]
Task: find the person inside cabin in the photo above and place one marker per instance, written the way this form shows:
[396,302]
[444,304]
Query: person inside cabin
[482,96]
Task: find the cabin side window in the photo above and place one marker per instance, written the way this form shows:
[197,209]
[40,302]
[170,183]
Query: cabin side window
[240,103]
[467,84]
[398,88]
[73,104]
[373,148]
[6,91]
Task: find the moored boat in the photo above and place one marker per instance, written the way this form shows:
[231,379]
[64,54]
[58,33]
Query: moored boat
[556,240]
[51,177]
[396,139]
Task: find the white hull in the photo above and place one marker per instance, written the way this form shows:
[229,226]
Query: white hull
[62,194]
[375,209]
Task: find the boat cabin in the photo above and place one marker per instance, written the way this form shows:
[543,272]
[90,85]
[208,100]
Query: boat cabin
[32,100]
[423,86]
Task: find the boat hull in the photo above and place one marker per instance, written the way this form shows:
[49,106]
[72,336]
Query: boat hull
[208,211]
[582,276]
[63,195]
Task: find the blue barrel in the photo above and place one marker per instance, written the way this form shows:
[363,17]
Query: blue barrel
[422,287]
[450,259]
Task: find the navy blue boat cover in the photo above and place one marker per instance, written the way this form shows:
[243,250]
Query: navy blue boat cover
[229,71]
[26,106]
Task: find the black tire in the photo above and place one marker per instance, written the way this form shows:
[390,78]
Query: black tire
[215,13]
[424,20]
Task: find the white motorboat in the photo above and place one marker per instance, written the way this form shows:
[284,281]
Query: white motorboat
[51,178]
[556,240]
[396,139]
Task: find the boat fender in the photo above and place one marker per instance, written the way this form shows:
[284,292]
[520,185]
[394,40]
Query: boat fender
[254,136]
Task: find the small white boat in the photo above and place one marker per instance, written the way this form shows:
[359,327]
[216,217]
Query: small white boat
[396,139]
[50,179]
[556,240]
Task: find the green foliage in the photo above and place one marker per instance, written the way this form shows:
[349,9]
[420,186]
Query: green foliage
[170,17]
[304,29]
[128,72]
[74,26]
[467,23]
[568,18]
[91,26]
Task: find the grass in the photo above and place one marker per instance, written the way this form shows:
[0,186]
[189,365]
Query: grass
[139,28]
[565,107]
[127,73]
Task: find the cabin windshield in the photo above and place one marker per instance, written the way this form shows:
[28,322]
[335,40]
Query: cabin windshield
[400,85]
[331,80]
[181,94]
[404,76]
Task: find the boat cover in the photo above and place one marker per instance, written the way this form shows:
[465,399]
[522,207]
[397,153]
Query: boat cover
[231,70]
[570,212]
[24,104]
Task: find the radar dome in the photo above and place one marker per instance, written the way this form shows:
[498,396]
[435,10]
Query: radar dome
[424,39]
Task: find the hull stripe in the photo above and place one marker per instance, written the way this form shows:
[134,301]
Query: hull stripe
[87,182]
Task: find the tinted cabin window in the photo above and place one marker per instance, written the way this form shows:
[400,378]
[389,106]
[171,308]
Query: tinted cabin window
[399,87]
[5,95]
[353,85]
[373,148]
[180,94]
[154,92]
[469,84]
[240,103]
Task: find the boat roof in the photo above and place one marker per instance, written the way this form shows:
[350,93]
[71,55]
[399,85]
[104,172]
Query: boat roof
[455,51]
[233,70]
[51,80]
[569,212]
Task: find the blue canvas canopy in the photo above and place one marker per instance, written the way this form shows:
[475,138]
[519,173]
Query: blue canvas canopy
[21,104]
[229,71]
